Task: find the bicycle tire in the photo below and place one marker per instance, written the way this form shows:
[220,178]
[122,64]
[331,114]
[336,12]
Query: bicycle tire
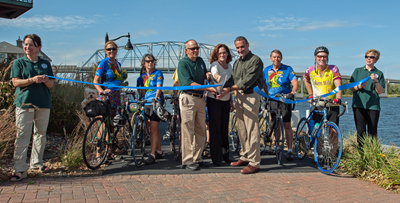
[302,138]
[123,138]
[281,140]
[267,137]
[93,144]
[137,140]
[331,148]
[234,142]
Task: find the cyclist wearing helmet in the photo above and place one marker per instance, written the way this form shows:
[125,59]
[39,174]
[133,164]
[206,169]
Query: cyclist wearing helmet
[152,78]
[321,79]
[277,79]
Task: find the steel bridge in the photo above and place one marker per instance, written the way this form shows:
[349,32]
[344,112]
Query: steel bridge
[167,53]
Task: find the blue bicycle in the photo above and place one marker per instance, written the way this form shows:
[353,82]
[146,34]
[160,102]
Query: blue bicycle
[324,136]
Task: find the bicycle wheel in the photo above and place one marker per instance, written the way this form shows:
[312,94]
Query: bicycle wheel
[280,141]
[123,138]
[233,137]
[302,139]
[173,129]
[267,138]
[95,146]
[328,147]
[136,139]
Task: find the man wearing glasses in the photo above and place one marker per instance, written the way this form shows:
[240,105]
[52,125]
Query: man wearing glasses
[192,72]
[321,79]
[247,73]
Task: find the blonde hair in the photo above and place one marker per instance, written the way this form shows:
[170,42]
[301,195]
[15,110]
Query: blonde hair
[375,52]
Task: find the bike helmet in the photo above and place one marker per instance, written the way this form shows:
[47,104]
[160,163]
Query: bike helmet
[119,120]
[321,49]
[160,111]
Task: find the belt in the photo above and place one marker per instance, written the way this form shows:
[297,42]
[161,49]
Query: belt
[193,94]
[248,91]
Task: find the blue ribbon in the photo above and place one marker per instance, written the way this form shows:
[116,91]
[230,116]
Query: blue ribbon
[145,88]
[288,101]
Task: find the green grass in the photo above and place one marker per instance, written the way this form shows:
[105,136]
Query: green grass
[372,162]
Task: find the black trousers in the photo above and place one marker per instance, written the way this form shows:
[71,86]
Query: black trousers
[366,118]
[218,113]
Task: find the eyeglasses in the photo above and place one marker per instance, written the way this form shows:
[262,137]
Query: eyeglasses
[149,61]
[371,57]
[111,49]
[194,48]
[320,57]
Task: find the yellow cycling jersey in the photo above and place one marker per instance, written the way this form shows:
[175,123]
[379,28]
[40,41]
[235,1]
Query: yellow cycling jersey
[325,83]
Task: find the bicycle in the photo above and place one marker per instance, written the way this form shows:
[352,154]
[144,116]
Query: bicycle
[327,146]
[173,128]
[99,136]
[234,142]
[264,118]
[141,136]
[271,127]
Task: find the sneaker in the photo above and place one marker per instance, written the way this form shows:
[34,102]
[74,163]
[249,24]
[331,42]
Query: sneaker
[149,160]
[289,156]
[159,156]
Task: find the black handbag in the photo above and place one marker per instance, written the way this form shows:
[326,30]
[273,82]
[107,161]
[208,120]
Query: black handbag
[97,108]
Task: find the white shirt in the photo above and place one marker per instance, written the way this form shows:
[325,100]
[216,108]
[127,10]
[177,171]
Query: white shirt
[225,75]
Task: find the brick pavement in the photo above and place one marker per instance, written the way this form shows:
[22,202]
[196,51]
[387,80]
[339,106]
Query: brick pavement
[211,187]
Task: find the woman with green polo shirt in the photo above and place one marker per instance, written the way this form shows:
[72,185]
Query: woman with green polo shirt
[366,100]
[33,103]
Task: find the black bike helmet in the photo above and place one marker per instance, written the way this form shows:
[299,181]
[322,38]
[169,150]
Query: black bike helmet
[321,49]
[160,111]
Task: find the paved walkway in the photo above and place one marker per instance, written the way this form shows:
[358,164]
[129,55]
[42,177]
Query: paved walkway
[212,187]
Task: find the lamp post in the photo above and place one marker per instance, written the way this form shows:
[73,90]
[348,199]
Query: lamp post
[128,45]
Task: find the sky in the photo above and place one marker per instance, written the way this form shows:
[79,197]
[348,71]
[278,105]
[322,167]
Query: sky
[73,30]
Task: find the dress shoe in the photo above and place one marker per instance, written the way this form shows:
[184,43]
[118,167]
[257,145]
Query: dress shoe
[240,163]
[192,167]
[250,169]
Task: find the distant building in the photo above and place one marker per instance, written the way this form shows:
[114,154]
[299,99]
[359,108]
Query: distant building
[8,50]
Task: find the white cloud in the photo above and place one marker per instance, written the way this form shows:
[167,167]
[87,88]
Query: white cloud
[287,23]
[294,23]
[322,25]
[47,22]
[144,33]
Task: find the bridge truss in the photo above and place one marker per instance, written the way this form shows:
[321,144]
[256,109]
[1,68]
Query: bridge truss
[167,53]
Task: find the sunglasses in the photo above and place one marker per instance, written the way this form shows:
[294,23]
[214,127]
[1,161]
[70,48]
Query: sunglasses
[149,61]
[111,49]
[320,57]
[371,57]
[194,48]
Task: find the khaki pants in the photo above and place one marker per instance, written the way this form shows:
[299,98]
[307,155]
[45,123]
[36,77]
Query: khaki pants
[25,119]
[193,118]
[247,107]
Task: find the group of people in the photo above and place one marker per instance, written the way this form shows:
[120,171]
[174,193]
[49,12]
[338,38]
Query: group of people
[33,99]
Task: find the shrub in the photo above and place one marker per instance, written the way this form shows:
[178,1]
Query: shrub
[372,162]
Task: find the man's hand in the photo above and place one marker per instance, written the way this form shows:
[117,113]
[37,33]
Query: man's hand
[290,96]
[208,75]
[212,90]
[337,101]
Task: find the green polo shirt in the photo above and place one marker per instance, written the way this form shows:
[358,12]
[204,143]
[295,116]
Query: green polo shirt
[190,71]
[37,93]
[367,98]
[247,73]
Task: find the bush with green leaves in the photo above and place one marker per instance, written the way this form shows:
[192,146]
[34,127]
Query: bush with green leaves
[372,162]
